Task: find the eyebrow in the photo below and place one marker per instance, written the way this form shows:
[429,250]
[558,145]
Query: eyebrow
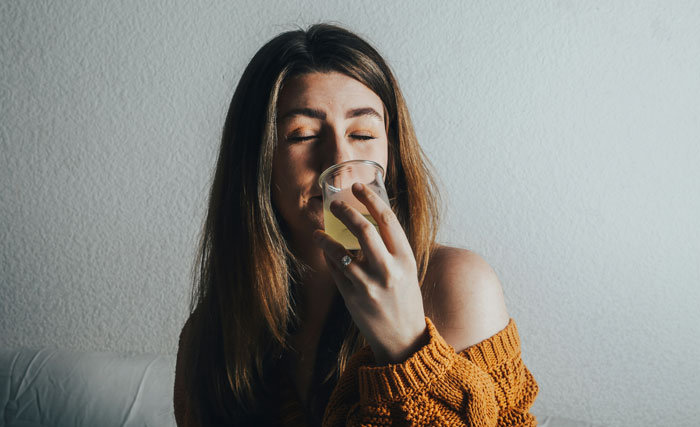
[318,114]
[365,111]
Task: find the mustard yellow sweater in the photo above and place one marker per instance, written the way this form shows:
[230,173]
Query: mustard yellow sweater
[485,385]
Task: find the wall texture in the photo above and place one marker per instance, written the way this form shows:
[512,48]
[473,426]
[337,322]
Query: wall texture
[566,135]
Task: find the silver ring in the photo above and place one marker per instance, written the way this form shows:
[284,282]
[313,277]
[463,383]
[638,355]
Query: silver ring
[346,260]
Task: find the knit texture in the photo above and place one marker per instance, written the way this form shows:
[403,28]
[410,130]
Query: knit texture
[484,385]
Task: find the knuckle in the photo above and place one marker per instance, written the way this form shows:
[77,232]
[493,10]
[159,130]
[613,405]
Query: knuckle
[386,273]
[373,295]
[366,228]
[387,217]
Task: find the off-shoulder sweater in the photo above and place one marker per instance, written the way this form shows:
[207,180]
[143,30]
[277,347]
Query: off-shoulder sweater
[484,385]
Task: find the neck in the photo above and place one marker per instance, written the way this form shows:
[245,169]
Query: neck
[316,286]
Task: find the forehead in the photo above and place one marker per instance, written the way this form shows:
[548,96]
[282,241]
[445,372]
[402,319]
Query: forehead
[328,91]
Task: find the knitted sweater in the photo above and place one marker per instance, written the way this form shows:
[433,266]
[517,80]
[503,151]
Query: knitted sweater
[485,385]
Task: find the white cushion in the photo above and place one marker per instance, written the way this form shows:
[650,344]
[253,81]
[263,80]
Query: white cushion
[63,388]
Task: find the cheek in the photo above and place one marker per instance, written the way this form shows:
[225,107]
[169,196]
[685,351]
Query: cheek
[385,158]
[280,182]
[380,154]
[288,176]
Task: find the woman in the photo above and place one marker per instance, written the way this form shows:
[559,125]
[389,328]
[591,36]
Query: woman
[285,327]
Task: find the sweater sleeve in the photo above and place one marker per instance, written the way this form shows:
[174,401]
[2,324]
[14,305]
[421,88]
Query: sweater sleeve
[484,385]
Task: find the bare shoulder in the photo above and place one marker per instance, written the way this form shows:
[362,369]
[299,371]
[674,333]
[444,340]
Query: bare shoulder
[463,297]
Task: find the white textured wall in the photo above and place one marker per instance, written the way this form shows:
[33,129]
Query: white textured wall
[566,135]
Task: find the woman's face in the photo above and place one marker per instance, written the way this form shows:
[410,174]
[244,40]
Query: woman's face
[323,119]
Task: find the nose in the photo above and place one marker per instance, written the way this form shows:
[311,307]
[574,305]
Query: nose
[336,149]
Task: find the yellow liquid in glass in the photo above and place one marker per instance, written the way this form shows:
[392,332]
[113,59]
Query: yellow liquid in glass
[340,232]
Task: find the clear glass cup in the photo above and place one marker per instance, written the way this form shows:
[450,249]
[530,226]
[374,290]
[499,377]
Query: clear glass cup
[336,184]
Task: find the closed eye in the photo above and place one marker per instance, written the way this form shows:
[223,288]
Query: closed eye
[301,138]
[362,137]
[310,137]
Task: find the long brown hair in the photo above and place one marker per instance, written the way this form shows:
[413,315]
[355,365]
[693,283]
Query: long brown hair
[241,301]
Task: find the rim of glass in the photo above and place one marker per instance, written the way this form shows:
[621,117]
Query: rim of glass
[341,164]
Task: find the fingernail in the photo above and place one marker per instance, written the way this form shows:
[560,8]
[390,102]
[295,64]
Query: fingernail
[359,186]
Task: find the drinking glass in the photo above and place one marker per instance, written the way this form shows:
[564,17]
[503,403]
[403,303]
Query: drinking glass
[336,184]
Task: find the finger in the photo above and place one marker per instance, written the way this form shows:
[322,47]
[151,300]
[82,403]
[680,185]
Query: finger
[390,229]
[370,241]
[345,286]
[334,253]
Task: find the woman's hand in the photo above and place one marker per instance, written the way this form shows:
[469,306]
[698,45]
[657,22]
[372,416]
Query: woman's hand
[381,288]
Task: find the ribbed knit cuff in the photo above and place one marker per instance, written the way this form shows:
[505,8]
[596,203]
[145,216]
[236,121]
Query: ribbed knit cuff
[394,382]
[491,352]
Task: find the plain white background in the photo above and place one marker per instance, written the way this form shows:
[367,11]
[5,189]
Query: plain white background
[565,135]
